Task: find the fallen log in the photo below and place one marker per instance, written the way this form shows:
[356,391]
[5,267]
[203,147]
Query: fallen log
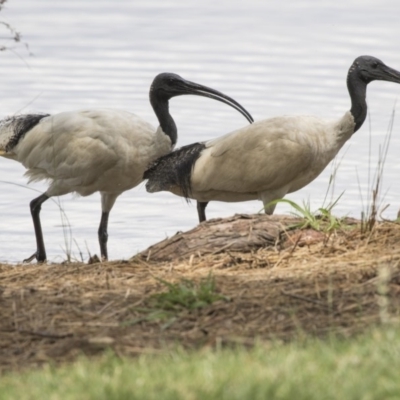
[242,233]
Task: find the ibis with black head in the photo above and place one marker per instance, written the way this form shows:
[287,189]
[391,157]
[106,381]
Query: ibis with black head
[270,158]
[101,150]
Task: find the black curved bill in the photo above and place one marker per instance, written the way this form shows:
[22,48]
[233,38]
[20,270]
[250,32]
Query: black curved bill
[200,90]
[390,74]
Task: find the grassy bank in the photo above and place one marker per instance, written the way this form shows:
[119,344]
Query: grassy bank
[283,322]
[365,367]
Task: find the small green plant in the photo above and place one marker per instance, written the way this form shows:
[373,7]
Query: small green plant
[186,294]
[183,295]
[321,220]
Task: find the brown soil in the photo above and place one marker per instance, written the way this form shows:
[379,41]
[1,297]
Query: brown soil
[311,283]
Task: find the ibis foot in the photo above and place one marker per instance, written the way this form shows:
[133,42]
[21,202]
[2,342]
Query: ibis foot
[41,258]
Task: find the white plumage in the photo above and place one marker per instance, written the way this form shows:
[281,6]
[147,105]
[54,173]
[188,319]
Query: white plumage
[270,158]
[293,153]
[89,151]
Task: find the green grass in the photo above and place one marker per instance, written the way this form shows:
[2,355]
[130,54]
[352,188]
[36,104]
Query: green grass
[362,368]
[321,220]
[183,295]
[186,294]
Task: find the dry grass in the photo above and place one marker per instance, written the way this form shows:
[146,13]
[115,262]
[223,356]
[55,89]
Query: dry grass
[342,284]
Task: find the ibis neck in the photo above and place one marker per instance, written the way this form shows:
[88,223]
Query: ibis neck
[165,119]
[358,92]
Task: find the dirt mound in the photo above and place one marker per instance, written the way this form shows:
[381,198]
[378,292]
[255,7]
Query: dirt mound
[240,233]
[342,282]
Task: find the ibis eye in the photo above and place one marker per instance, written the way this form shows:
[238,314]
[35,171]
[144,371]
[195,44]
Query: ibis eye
[374,65]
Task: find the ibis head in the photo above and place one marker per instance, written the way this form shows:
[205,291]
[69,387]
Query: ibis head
[370,69]
[167,85]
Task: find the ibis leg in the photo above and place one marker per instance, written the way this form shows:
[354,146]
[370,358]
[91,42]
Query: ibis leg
[201,210]
[103,235]
[36,205]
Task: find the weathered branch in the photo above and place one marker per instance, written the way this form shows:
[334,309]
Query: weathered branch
[238,233]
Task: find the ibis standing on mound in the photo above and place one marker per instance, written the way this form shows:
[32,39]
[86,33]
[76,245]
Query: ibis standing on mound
[270,158]
[104,150]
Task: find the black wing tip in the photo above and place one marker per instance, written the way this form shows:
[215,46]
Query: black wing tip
[22,124]
[174,170]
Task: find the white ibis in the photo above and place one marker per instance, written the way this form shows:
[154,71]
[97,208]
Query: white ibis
[270,158]
[104,150]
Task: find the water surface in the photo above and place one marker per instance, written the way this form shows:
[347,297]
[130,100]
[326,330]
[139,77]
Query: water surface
[274,59]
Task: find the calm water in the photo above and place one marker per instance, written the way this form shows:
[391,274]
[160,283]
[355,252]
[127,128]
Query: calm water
[273,59]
